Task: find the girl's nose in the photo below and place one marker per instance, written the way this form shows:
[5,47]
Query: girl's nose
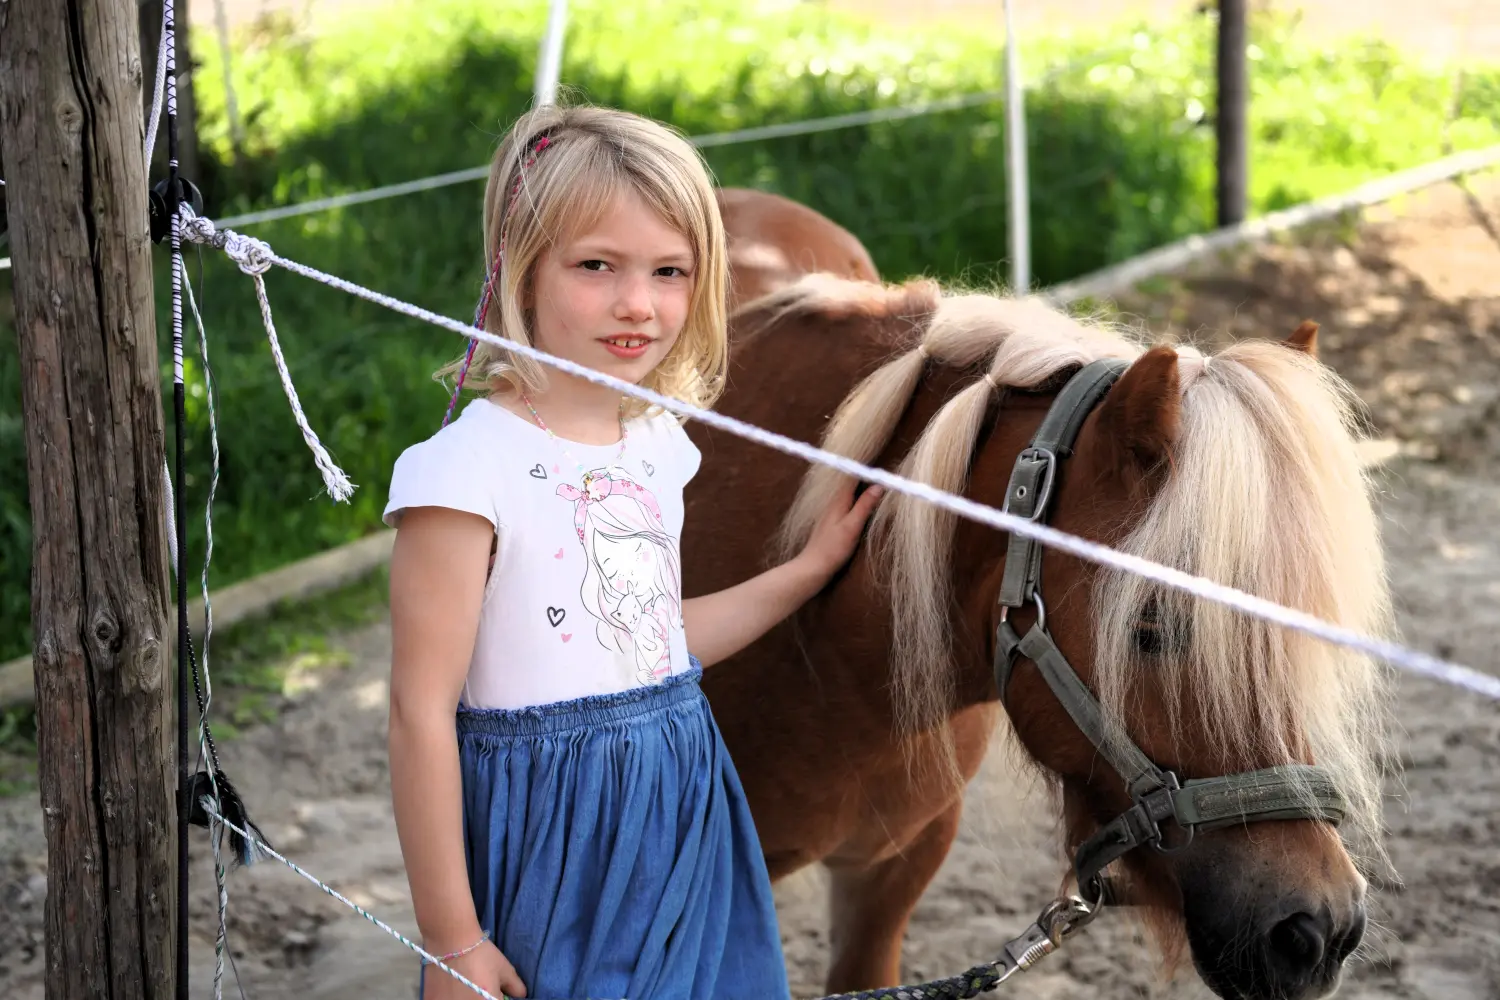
[634,303]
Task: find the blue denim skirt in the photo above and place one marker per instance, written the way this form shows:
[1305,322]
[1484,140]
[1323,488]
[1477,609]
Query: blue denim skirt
[611,852]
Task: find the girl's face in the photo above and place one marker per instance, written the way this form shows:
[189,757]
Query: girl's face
[615,298]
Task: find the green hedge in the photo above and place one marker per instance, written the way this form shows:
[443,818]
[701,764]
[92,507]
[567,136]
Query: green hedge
[1121,152]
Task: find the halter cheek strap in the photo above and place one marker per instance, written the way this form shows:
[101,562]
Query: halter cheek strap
[1291,791]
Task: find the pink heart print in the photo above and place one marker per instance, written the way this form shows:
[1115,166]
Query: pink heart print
[566,636]
[558,554]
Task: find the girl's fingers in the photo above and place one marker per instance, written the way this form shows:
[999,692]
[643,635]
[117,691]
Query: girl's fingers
[866,503]
[510,983]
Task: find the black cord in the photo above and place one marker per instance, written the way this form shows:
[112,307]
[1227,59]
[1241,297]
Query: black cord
[179,414]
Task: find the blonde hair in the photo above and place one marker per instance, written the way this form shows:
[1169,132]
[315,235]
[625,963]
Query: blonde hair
[593,155]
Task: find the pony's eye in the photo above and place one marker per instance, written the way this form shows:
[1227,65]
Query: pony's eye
[1153,637]
[1148,639]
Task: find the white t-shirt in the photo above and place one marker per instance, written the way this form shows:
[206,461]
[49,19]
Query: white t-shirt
[585,596]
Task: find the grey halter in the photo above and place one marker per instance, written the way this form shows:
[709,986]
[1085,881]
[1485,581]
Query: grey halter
[1293,791]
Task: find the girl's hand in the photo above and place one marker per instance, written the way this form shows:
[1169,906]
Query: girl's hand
[837,532]
[485,967]
[721,624]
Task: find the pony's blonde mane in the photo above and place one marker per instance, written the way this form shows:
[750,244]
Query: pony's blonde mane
[1023,344]
[1266,493]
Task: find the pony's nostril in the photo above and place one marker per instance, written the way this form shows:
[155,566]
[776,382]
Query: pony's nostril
[1299,943]
[1349,940]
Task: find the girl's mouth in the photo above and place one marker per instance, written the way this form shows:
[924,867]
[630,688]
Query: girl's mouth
[627,346]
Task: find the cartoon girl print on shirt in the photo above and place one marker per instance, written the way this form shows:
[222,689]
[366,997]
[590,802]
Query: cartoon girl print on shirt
[632,585]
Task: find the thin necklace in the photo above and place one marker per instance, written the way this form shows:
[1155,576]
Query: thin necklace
[588,476]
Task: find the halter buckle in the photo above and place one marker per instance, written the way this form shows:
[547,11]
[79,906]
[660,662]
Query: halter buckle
[1159,805]
[1020,492]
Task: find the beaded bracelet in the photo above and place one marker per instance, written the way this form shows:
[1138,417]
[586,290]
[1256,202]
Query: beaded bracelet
[484,936]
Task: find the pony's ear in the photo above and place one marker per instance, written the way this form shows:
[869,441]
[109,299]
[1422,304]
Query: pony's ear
[1304,338]
[1138,418]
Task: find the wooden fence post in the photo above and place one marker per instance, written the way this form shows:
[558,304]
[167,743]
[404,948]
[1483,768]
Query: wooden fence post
[71,130]
[1232,121]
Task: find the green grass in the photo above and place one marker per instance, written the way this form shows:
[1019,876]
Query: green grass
[255,664]
[258,663]
[1120,146]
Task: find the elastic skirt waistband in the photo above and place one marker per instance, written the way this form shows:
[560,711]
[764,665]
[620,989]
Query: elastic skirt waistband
[593,710]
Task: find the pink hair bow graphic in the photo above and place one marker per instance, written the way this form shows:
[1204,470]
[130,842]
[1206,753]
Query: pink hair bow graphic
[599,488]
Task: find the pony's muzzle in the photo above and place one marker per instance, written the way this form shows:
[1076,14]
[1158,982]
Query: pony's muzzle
[1305,951]
[1274,917]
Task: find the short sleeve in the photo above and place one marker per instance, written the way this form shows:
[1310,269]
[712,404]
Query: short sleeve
[439,472]
[687,455]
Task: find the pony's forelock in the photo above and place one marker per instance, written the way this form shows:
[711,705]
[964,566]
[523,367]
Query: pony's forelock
[1267,494]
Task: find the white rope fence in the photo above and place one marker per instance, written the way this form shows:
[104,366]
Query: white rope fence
[255,256]
[710,140]
[706,141]
[270,852]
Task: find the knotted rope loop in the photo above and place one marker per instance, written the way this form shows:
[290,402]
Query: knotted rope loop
[255,258]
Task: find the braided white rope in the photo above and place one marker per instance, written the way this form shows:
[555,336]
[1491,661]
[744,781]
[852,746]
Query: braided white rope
[1408,659]
[216,831]
[255,258]
[169,495]
[208,511]
[221,937]
[157,92]
[429,958]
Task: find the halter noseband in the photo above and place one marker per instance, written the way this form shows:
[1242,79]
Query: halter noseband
[1292,791]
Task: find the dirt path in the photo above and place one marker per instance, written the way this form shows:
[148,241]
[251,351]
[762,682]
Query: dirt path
[1411,308]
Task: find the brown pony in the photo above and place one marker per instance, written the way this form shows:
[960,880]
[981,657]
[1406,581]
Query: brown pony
[773,241]
[856,724]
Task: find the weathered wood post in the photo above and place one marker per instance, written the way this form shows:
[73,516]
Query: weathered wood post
[71,131]
[1232,121]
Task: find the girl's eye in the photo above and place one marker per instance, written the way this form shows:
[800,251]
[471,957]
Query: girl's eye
[593,265]
[671,272]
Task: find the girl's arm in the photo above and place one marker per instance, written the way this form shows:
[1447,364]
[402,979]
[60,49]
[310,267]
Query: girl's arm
[437,583]
[721,624]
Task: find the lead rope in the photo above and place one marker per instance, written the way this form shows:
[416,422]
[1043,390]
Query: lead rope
[1058,920]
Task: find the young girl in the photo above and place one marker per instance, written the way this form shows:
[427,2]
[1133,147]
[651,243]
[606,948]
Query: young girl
[571,823]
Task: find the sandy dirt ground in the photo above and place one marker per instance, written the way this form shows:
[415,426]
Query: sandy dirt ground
[1411,309]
